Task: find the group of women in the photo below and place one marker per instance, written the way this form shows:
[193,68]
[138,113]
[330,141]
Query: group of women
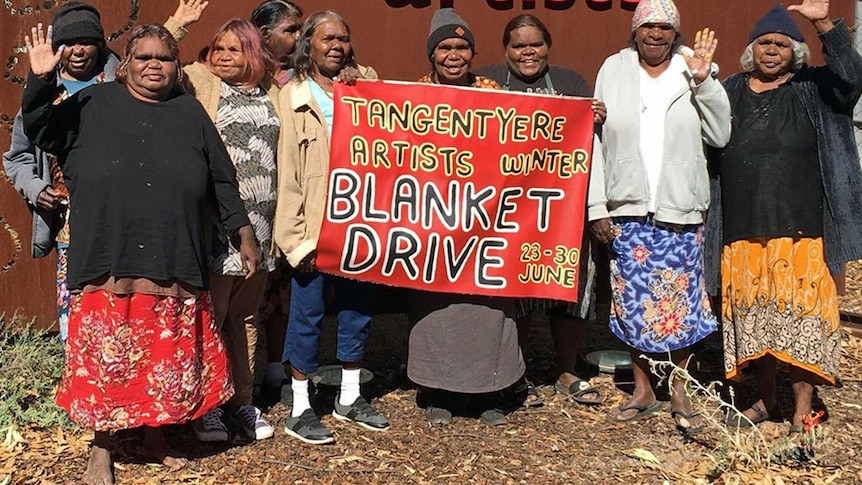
[174,224]
[176,182]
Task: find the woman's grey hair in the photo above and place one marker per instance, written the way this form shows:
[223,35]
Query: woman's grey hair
[302,63]
[801,54]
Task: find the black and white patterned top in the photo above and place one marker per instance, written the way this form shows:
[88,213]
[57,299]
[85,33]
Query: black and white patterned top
[249,126]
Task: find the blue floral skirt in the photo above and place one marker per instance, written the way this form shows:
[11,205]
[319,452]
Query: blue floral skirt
[659,301]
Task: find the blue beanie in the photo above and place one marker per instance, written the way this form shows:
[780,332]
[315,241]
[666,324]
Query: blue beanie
[778,21]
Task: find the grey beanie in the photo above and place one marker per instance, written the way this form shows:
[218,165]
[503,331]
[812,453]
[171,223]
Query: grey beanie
[77,20]
[446,24]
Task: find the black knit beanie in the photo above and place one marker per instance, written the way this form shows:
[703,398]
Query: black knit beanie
[446,24]
[776,20]
[76,20]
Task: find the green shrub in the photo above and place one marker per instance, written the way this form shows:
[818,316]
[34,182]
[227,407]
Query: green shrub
[31,363]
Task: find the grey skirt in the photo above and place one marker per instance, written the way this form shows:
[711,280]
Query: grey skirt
[463,343]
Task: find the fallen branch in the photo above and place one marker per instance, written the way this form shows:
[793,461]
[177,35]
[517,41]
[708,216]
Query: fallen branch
[477,437]
[325,470]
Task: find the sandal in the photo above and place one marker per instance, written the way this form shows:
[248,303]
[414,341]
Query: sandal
[642,412]
[683,422]
[493,417]
[578,389]
[740,420]
[532,399]
[437,415]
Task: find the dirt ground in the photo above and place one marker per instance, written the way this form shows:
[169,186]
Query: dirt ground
[560,442]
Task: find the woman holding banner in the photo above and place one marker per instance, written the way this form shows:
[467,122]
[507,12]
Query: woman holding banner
[322,51]
[460,345]
[527,43]
[649,190]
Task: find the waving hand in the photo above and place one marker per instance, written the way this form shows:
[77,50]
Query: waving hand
[43,59]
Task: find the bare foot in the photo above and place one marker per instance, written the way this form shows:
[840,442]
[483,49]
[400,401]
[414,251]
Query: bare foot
[157,448]
[100,469]
[803,393]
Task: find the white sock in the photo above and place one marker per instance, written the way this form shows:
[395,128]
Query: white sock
[349,386]
[300,397]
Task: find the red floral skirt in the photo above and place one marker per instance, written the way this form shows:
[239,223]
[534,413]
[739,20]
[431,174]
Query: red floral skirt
[142,360]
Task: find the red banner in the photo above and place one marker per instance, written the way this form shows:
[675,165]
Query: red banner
[457,190]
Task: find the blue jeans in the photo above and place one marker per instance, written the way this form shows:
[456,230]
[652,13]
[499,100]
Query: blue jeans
[354,301]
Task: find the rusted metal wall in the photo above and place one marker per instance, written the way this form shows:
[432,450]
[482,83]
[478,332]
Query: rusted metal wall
[389,35]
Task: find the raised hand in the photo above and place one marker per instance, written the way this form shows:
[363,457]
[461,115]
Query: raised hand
[189,12]
[43,59]
[812,10]
[700,64]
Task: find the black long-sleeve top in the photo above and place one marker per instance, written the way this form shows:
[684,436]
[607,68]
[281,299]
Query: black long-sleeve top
[145,181]
[828,94]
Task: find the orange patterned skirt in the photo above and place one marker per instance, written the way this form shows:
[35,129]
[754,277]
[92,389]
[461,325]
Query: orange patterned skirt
[779,299]
[142,360]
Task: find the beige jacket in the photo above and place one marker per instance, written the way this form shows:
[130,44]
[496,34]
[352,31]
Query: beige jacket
[205,86]
[303,170]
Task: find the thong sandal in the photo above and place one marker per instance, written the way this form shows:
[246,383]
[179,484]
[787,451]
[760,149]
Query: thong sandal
[533,398]
[740,420]
[683,422]
[642,412]
[578,389]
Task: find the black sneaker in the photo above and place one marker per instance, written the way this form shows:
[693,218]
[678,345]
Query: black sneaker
[361,413]
[308,428]
[210,428]
[251,424]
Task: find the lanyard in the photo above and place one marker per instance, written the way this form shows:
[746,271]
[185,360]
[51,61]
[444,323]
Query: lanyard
[548,84]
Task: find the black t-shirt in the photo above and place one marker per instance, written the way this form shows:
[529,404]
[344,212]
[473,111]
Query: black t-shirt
[566,82]
[144,179]
[770,171]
